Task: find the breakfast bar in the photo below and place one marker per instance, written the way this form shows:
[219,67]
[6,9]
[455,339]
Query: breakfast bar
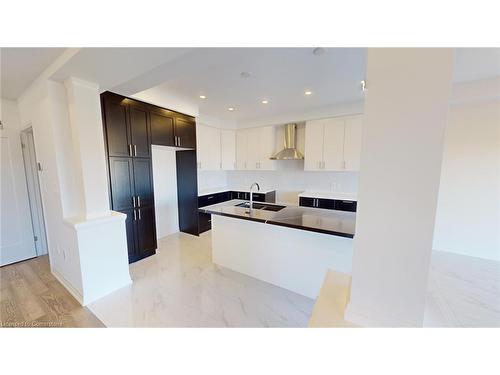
[288,246]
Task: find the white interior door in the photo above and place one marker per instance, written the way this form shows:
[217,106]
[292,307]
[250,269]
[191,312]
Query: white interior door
[313,155]
[34,193]
[16,235]
[333,145]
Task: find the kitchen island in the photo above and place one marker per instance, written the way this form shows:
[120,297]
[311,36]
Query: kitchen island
[288,246]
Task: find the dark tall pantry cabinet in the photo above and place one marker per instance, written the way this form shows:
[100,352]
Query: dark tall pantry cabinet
[130,128]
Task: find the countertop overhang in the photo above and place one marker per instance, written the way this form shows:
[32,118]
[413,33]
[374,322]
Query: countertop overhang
[337,223]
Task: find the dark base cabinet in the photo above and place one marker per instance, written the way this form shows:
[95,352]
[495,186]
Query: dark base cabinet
[328,204]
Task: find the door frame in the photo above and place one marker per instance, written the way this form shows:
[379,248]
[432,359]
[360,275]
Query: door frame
[32,169]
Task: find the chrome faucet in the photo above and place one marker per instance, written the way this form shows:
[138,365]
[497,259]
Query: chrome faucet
[251,196]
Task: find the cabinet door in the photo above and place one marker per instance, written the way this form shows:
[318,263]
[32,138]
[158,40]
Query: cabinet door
[143,182]
[162,128]
[131,235]
[228,149]
[352,142]
[185,131]
[241,148]
[139,130]
[204,222]
[267,144]
[213,157]
[202,146]
[313,153]
[116,126]
[122,183]
[350,206]
[146,230]
[253,149]
[306,202]
[328,204]
[333,144]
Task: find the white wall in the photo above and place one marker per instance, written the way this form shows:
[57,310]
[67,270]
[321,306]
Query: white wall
[16,235]
[401,159]
[165,188]
[467,220]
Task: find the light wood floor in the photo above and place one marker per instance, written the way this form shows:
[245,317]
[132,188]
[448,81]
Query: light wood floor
[30,296]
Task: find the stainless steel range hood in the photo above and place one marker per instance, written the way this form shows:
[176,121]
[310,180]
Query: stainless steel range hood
[290,151]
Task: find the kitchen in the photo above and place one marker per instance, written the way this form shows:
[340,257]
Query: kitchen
[257,202]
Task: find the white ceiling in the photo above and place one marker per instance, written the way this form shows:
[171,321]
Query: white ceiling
[279,75]
[20,66]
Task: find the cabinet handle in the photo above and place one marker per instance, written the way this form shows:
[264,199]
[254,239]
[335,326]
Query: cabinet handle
[139,201]
[135,150]
[130,150]
[179,138]
[140,218]
[135,216]
[133,200]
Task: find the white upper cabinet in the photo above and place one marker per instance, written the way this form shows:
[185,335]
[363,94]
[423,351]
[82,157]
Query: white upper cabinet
[254,147]
[208,151]
[241,148]
[333,144]
[228,149]
[352,142]
[313,154]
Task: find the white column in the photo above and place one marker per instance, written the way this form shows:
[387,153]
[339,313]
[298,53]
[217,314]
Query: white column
[406,108]
[87,131]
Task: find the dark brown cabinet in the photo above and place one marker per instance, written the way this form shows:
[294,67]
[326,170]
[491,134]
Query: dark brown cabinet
[162,128]
[117,126]
[130,128]
[143,182]
[329,204]
[185,133]
[122,183]
[139,131]
[146,230]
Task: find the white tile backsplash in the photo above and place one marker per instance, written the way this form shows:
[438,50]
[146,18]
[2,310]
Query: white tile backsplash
[289,180]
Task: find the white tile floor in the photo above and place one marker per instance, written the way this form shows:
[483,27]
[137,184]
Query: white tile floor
[463,291]
[181,287]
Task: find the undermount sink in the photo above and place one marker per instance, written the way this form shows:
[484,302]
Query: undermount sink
[261,206]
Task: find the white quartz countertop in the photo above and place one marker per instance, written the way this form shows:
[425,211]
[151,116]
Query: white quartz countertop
[329,195]
[232,188]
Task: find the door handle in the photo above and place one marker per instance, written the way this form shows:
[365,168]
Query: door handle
[130,150]
[135,150]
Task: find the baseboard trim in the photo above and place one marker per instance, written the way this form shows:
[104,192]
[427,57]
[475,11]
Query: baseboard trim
[65,283]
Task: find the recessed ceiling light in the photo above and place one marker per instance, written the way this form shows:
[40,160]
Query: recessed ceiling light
[203,97]
[308,93]
[231,109]
[265,101]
